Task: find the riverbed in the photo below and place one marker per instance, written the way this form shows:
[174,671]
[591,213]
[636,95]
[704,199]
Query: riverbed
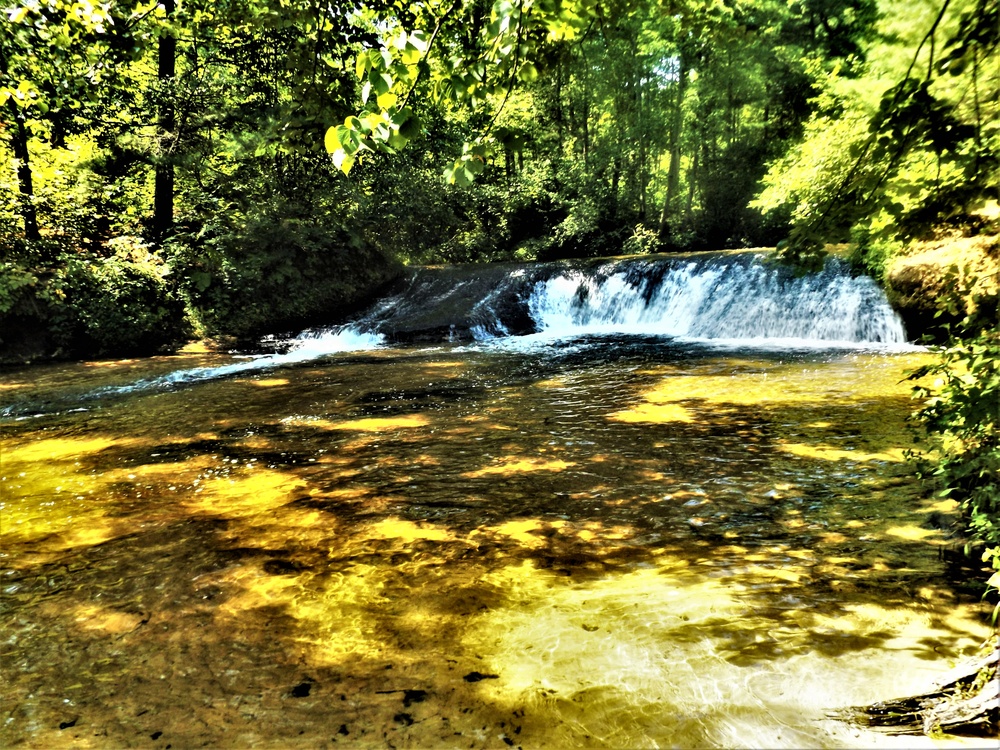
[613,542]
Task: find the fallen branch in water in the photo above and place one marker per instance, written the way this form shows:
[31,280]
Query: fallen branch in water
[966,700]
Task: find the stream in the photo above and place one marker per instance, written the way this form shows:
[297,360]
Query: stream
[633,505]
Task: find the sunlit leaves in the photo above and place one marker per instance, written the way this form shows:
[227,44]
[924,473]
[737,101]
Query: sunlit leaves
[53,49]
[463,171]
[507,54]
[931,150]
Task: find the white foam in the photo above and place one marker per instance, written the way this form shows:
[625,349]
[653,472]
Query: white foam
[307,346]
[725,302]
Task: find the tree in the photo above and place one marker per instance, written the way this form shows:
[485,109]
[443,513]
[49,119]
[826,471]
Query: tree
[163,191]
[928,147]
[55,56]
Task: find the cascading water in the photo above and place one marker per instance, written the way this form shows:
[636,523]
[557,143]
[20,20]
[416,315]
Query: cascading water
[708,296]
[736,298]
[723,298]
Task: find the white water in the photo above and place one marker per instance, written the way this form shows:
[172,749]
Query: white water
[307,346]
[731,302]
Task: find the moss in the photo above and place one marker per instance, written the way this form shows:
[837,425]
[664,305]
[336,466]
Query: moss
[942,281]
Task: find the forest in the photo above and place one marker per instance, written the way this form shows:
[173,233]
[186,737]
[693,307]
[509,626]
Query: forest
[169,166]
[219,172]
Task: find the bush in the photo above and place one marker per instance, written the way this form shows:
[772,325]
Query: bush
[83,305]
[275,274]
[113,306]
[642,242]
[961,414]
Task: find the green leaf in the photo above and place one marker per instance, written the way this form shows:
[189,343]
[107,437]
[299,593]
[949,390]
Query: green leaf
[410,128]
[475,166]
[361,65]
[382,82]
[528,73]
[411,55]
[420,39]
[330,140]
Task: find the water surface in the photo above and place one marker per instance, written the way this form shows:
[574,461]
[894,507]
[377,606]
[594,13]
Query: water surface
[612,542]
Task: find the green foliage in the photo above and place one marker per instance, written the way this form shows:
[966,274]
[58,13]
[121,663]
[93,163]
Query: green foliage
[871,251]
[15,282]
[121,304]
[961,410]
[642,241]
[930,149]
[962,415]
[275,272]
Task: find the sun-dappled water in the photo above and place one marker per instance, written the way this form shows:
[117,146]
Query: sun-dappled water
[604,543]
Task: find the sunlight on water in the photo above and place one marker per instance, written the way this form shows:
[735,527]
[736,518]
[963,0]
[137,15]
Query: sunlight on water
[441,548]
[641,659]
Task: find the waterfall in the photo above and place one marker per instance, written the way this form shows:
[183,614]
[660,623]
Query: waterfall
[720,298]
[734,297]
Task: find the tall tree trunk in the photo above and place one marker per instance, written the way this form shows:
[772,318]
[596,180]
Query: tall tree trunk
[616,175]
[586,119]
[163,189]
[692,181]
[643,172]
[676,126]
[559,105]
[25,185]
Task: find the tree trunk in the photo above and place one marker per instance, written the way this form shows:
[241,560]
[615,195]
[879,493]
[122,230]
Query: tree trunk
[676,126]
[692,181]
[24,182]
[616,175]
[163,189]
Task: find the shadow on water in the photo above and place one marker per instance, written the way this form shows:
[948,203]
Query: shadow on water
[444,548]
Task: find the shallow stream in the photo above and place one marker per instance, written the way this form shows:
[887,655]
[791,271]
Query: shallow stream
[618,541]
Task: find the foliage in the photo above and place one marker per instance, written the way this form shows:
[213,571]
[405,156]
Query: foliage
[15,282]
[637,112]
[872,250]
[931,148]
[962,415]
[96,306]
[275,272]
[560,127]
[641,241]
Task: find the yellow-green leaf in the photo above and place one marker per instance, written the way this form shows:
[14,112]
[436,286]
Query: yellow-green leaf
[343,162]
[411,55]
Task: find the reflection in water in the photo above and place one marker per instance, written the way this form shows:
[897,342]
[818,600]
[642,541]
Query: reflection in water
[587,546]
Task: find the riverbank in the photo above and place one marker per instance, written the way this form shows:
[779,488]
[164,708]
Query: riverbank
[945,280]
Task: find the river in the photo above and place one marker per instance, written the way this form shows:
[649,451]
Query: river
[591,535]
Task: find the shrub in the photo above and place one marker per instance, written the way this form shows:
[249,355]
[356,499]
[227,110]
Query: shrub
[961,414]
[120,305]
[276,273]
